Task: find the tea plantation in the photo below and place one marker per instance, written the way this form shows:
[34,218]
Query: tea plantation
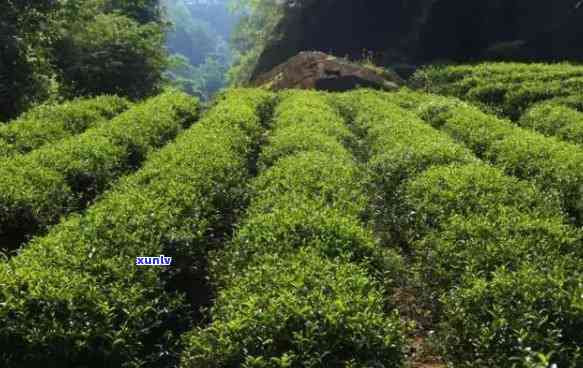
[430,227]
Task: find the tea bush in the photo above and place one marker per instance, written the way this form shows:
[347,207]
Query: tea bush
[466,221]
[574,101]
[400,146]
[283,214]
[75,296]
[310,197]
[474,219]
[554,119]
[280,303]
[317,176]
[538,308]
[298,311]
[49,123]
[37,188]
[509,87]
[297,139]
[555,166]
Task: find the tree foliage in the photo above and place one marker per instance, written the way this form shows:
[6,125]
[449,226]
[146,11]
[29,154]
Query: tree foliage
[112,54]
[53,49]
[24,34]
[197,41]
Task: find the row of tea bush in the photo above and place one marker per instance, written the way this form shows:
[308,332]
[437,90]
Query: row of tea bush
[506,88]
[38,188]
[49,123]
[554,118]
[75,296]
[493,251]
[297,285]
[555,166]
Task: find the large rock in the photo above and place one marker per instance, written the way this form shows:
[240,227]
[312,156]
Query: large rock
[414,32]
[317,70]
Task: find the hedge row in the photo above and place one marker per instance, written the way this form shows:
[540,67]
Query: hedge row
[76,298]
[472,228]
[399,147]
[573,101]
[299,129]
[289,291]
[555,166]
[555,119]
[37,188]
[504,71]
[50,123]
[507,87]
[483,230]
[473,219]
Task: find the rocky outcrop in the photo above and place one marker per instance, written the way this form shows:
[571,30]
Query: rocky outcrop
[413,32]
[317,70]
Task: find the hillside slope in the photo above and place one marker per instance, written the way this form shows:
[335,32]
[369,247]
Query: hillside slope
[314,229]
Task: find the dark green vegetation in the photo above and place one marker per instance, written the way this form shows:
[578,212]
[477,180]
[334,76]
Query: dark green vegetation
[470,228]
[50,50]
[293,284]
[75,297]
[507,88]
[552,164]
[297,223]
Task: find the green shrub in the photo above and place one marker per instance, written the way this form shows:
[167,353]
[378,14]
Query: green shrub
[82,166]
[319,177]
[312,109]
[479,243]
[553,165]
[554,119]
[464,221]
[297,222]
[304,121]
[493,323]
[401,146]
[467,189]
[49,123]
[296,139]
[75,297]
[473,218]
[305,205]
[574,101]
[313,186]
[519,98]
[510,87]
[477,130]
[301,310]
[406,98]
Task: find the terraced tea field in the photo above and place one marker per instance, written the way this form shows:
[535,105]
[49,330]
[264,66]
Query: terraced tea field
[306,229]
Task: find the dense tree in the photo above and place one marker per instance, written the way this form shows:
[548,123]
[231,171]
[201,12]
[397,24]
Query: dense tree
[112,54]
[142,11]
[25,73]
[52,49]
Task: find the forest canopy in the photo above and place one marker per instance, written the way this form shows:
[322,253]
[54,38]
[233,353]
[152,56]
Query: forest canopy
[56,50]
[53,50]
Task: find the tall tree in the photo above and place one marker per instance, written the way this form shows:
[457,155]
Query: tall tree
[64,48]
[111,54]
[25,72]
